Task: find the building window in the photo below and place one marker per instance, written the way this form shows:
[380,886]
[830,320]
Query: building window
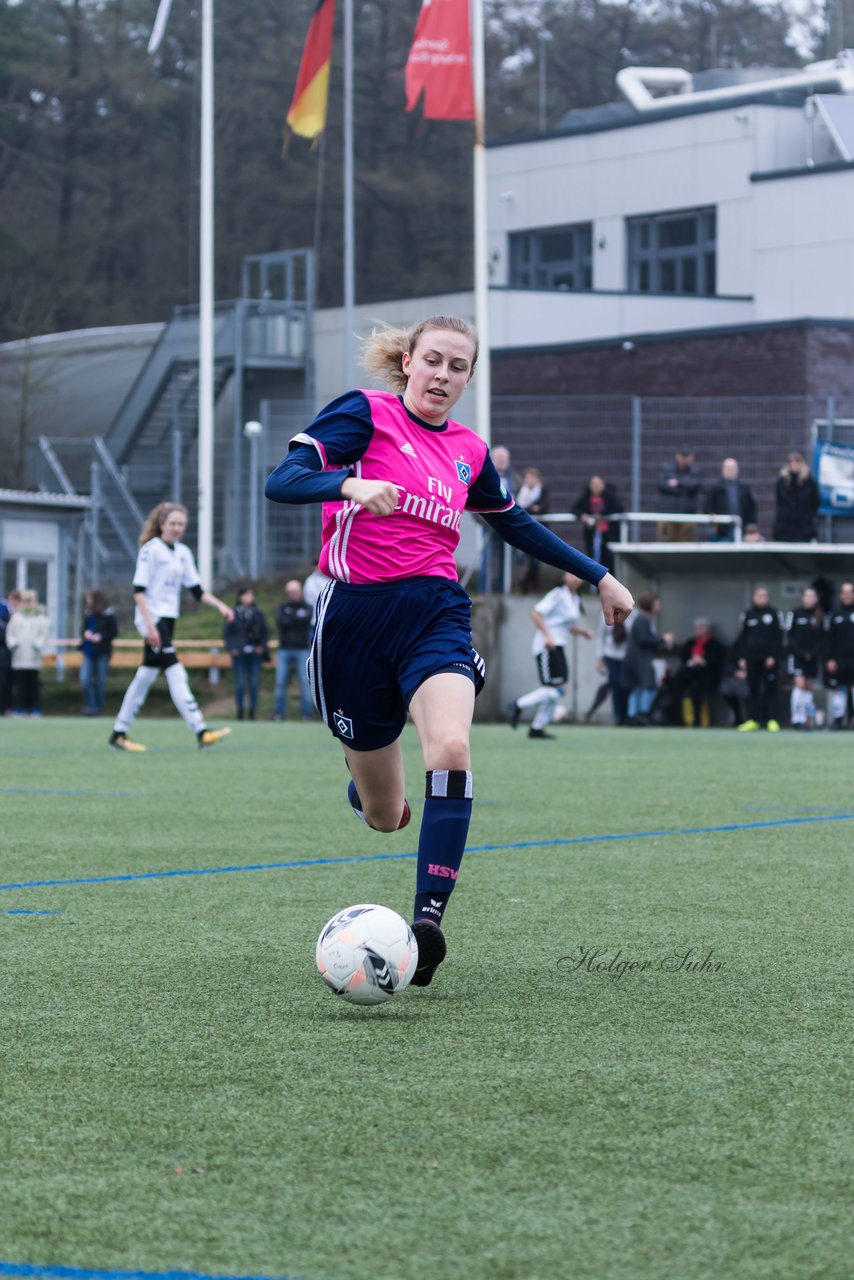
[674,252]
[552,258]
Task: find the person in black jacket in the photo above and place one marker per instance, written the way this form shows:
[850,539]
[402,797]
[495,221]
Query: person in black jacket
[804,642]
[839,654]
[730,497]
[99,631]
[798,501]
[246,639]
[645,643]
[759,653]
[596,504]
[679,482]
[294,620]
[696,683]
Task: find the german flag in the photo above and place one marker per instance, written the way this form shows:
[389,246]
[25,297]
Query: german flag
[307,114]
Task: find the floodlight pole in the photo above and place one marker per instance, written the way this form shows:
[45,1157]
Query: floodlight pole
[481,254]
[349,203]
[206,284]
[206,307]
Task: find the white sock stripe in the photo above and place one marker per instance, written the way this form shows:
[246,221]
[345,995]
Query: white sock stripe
[316,653]
[439,783]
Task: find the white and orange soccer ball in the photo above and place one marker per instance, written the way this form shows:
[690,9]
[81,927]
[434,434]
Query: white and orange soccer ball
[366,954]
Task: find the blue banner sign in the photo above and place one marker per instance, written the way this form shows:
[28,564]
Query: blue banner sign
[833,467]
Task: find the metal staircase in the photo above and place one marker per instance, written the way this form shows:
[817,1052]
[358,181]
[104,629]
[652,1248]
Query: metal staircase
[149,453]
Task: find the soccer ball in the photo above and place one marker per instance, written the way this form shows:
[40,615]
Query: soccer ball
[366,954]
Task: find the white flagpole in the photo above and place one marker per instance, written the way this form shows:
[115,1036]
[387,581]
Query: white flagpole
[481,256]
[206,307]
[206,283]
[349,210]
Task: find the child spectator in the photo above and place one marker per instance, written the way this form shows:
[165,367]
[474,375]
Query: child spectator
[26,637]
[803,638]
[99,631]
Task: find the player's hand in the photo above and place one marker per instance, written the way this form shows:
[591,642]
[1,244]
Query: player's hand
[377,496]
[830,665]
[585,632]
[617,601]
[227,613]
[152,636]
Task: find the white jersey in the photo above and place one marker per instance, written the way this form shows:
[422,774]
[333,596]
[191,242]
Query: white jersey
[162,570]
[560,611]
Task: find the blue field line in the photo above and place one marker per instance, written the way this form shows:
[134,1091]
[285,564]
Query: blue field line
[50,791]
[397,857]
[27,1269]
[26,911]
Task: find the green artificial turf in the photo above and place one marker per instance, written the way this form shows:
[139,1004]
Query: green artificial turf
[180,1091]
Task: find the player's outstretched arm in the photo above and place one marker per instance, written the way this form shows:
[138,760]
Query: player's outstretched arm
[207,597]
[617,601]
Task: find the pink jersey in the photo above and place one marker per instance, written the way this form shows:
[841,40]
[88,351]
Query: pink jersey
[432,471]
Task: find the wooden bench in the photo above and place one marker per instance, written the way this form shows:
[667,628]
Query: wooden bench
[127,654]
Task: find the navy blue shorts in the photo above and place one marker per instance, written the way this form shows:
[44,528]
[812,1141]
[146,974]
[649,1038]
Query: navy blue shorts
[376,643]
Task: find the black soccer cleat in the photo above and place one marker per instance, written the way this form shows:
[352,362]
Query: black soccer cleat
[432,949]
[540,733]
[513,713]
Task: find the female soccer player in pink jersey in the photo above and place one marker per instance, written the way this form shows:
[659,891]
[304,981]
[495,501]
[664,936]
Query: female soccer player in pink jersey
[395,473]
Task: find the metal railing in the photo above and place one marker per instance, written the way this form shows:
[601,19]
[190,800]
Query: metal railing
[625,519]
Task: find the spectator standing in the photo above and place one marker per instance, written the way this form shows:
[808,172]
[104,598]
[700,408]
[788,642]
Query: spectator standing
[798,501]
[26,636]
[492,573]
[679,482]
[7,608]
[839,655]
[730,497]
[294,621]
[611,645]
[759,652]
[246,638]
[96,646]
[532,497]
[804,642]
[555,619]
[598,501]
[698,679]
[638,672]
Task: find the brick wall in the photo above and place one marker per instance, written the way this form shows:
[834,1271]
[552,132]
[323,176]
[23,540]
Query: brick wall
[786,360]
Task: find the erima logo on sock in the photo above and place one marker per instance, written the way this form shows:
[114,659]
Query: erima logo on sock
[435,870]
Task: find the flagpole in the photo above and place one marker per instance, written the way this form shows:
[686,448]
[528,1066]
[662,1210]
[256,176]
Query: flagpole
[349,214]
[206,307]
[483,384]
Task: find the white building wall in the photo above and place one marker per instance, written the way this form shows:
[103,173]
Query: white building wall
[785,248]
[805,246]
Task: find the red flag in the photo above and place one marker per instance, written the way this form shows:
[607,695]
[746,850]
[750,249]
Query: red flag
[307,114]
[439,63]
